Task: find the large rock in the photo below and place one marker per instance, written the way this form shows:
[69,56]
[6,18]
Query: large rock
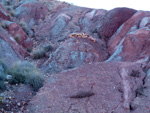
[78,49]
[113,19]
[59,24]
[131,41]
[92,88]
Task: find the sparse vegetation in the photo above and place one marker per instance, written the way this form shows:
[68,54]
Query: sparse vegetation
[8,3]
[5,24]
[40,53]
[2,80]
[22,72]
[47,48]
[29,50]
[135,73]
[11,10]
[17,37]
[26,73]
[2,63]
[12,13]
[25,27]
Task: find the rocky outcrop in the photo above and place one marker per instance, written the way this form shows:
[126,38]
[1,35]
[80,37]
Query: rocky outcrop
[92,88]
[10,48]
[112,20]
[78,49]
[58,25]
[131,41]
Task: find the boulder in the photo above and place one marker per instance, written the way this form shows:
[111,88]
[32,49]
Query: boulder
[93,88]
[113,19]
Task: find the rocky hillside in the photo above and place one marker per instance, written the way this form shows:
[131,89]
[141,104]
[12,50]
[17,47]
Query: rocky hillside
[59,58]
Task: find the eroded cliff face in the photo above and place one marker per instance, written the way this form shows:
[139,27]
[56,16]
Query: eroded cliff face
[93,60]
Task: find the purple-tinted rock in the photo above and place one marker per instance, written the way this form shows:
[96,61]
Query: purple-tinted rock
[92,88]
[141,103]
[113,20]
[65,20]
[59,24]
[33,9]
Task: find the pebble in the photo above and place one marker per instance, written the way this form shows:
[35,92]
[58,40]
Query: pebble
[18,104]
[8,77]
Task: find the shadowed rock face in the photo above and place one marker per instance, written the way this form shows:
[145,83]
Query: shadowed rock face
[113,19]
[92,88]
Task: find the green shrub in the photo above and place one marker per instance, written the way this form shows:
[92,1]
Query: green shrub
[5,24]
[3,66]
[2,74]
[17,37]
[38,54]
[26,73]
[8,3]
[2,80]
[26,28]
[9,8]
[47,48]
[35,81]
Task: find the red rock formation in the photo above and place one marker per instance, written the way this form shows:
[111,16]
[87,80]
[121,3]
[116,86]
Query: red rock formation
[130,42]
[92,88]
[20,36]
